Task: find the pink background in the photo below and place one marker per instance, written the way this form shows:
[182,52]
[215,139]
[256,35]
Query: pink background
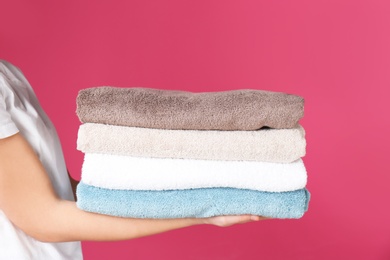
[334,53]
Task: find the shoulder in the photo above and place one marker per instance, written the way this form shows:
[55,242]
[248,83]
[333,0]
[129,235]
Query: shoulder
[7,67]
[7,97]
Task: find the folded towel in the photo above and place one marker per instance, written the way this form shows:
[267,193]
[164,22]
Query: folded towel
[139,173]
[268,145]
[199,203]
[165,109]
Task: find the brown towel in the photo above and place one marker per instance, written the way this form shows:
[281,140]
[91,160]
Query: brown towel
[243,109]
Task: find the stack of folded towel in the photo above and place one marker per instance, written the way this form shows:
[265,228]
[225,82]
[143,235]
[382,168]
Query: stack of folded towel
[173,154]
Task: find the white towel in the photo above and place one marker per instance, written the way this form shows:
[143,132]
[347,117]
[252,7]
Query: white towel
[268,145]
[140,173]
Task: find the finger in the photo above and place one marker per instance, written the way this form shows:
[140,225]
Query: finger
[257,218]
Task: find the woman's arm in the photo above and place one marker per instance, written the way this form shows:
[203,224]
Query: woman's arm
[30,202]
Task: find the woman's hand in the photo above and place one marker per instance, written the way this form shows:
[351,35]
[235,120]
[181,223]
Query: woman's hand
[225,221]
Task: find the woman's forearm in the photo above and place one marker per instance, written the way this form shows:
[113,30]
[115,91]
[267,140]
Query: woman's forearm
[28,199]
[66,222]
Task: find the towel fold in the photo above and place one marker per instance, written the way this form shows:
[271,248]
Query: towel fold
[142,173]
[243,109]
[267,145]
[198,203]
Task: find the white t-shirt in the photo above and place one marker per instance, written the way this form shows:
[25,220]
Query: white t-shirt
[21,112]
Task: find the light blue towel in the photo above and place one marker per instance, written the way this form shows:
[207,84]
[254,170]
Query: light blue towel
[199,203]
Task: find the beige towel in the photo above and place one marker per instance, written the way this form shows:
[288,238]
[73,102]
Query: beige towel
[165,109]
[267,145]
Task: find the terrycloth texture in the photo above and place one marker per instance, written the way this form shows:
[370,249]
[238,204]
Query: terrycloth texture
[165,109]
[199,203]
[267,145]
[138,173]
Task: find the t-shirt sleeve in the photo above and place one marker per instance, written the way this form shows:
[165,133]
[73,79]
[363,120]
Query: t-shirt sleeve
[7,126]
